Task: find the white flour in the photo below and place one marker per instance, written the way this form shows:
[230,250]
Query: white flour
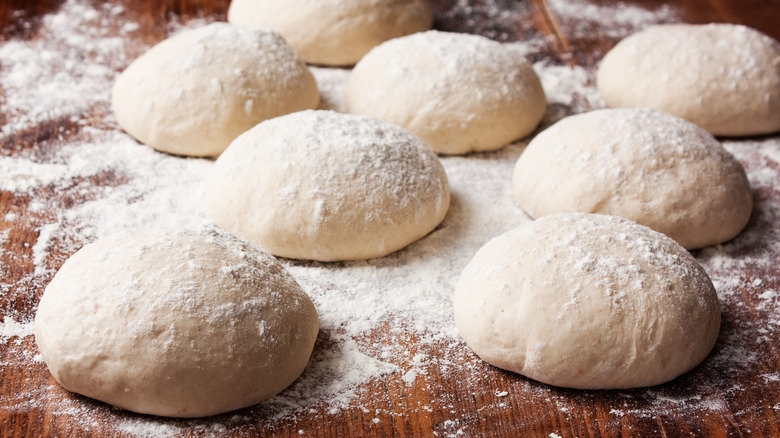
[387,318]
[9,328]
[48,78]
[616,20]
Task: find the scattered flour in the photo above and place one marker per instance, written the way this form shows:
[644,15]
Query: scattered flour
[569,89]
[382,319]
[24,175]
[617,20]
[47,78]
[495,19]
[12,329]
[332,83]
[41,247]
[4,238]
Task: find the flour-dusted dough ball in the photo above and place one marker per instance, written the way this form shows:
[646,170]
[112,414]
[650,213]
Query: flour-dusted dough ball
[643,164]
[196,91]
[327,186]
[587,301]
[723,77]
[335,32]
[181,323]
[459,93]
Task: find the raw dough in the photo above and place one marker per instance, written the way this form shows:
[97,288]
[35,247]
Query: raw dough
[460,93]
[196,91]
[723,77]
[181,324]
[328,186]
[335,32]
[587,301]
[642,164]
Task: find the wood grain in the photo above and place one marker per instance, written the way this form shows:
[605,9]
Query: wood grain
[445,402]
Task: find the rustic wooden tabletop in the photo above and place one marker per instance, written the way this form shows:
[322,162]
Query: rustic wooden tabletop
[57,61]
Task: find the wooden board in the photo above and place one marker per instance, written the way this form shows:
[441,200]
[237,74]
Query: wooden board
[736,392]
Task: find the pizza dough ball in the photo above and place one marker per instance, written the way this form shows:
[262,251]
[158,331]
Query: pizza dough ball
[180,324]
[459,93]
[335,32]
[722,77]
[196,91]
[587,301]
[327,186]
[642,164]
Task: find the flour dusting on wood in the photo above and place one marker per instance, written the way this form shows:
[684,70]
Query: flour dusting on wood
[75,177]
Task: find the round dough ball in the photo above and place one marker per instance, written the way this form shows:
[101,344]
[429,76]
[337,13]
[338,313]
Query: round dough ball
[459,93]
[327,186]
[195,92]
[722,77]
[643,164]
[587,301]
[180,324]
[335,32]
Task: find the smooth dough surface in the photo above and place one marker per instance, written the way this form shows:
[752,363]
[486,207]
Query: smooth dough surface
[587,301]
[643,164]
[180,324]
[327,186]
[459,93]
[335,32]
[195,92]
[722,77]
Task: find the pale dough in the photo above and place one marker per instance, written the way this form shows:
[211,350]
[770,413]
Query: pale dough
[722,77]
[335,32]
[459,93]
[587,301]
[181,323]
[327,186]
[196,91]
[642,164]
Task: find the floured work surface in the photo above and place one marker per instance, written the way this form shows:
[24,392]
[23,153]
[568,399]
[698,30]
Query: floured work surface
[388,361]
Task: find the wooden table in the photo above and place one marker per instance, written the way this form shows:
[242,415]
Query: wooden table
[736,392]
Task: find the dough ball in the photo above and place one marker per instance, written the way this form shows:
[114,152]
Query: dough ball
[643,164]
[459,93]
[587,301]
[180,324]
[722,77]
[328,186]
[196,91]
[335,32]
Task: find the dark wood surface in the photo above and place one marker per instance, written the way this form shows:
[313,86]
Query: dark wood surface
[719,398]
